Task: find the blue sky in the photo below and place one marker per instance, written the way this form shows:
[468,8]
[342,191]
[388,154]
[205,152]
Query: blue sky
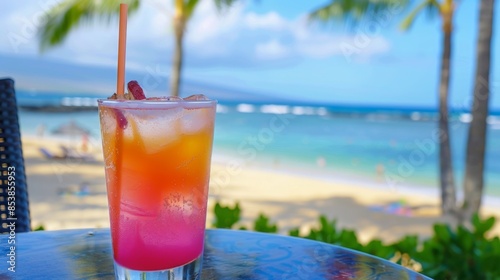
[264,46]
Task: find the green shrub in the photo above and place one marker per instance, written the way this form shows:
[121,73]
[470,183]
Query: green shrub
[225,216]
[39,228]
[449,254]
[327,232]
[377,248]
[461,253]
[262,225]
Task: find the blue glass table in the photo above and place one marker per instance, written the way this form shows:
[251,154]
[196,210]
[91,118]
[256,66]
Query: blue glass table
[229,254]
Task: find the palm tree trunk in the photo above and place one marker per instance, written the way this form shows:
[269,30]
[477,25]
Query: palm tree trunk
[448,193]
[175,78]
[476,143]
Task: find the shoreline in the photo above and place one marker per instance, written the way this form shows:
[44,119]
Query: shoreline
[358,166]
[290,199]
[358,179]
[340,177]
[429,192]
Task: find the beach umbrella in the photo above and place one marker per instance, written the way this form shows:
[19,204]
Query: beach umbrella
[71,129]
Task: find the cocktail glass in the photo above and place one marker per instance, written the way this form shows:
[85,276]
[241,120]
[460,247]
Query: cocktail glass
[157,162]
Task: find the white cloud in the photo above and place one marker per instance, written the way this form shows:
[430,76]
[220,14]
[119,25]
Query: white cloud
[269,21]
[236,36]
[20,28]
[316,43]
[271,50]
[320,46]
[211,32]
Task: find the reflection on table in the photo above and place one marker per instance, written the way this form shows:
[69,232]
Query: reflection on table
[229,254]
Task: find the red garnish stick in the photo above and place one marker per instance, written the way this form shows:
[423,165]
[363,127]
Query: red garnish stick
[135,89]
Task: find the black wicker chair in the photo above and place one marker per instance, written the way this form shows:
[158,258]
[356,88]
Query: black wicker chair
[14,206]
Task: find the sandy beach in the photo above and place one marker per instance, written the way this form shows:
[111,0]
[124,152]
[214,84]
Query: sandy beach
[71,194]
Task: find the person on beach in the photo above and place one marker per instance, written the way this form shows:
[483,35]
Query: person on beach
[380,170]
[40,130]
[321,162]
[85,142]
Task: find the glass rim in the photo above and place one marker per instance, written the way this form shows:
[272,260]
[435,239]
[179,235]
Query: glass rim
[158,104]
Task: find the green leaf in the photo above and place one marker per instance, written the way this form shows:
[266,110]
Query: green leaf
[430,5]
[294,232]
[348,239]
[442,232]
[69,14]
[377,248]
[354,11]
[221,4]
[482,227]
[189,8]
[225,216]
[262,224]
[407,244]
[476,221]
[39,228]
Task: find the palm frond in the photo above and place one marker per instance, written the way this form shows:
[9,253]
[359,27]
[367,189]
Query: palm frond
[353,11]
[189,7]
[69,14]
[222,4]
[432,7]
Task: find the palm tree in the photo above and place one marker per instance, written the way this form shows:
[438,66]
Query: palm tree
[476,142]
[355,11]
[70,13]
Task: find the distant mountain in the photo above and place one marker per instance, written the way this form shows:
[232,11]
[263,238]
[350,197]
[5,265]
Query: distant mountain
[46,79]
[31,98]
[44,82]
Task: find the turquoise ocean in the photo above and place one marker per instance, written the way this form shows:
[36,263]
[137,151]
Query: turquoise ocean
[380,146]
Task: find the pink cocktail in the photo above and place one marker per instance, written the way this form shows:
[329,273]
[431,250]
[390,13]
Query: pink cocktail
[157,157]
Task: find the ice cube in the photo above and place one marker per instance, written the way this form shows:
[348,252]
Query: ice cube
[108,129]
[194,120]
[164,98]
[174,98]
[128,132]
[158,129]
[140,114]
[108,120]
[197,97]
[157,98]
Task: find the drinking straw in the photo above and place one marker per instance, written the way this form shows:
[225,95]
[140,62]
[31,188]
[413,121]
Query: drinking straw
[122,38]
[120,84]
